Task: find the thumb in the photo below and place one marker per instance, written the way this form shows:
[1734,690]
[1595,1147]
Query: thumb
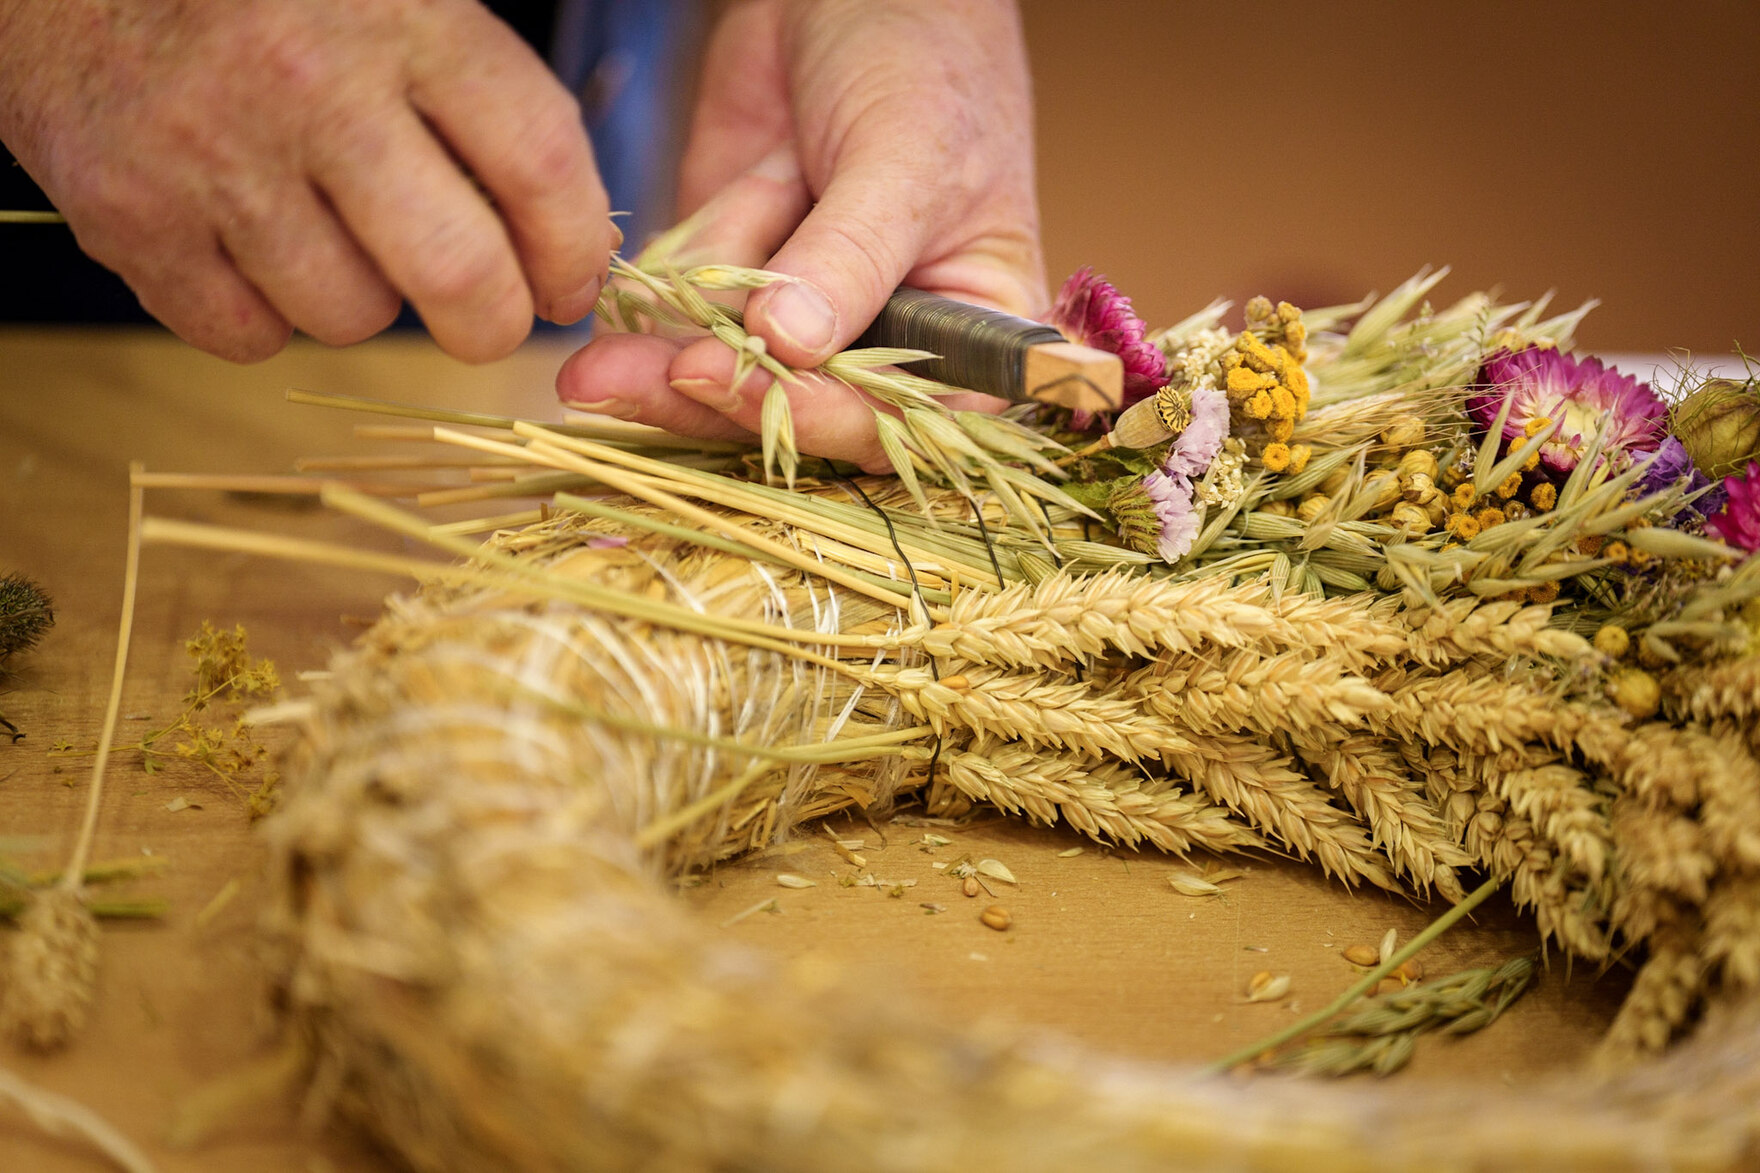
[848,255]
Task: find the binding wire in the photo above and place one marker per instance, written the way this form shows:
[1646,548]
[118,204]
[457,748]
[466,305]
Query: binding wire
[980,349]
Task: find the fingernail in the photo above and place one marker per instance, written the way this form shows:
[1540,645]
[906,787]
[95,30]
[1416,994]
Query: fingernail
[568,310]
[617,408]
[802,316]
[711,393]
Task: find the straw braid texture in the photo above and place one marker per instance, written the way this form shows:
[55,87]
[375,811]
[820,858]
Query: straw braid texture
[478,936]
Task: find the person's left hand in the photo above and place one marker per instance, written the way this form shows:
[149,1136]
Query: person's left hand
[853,145]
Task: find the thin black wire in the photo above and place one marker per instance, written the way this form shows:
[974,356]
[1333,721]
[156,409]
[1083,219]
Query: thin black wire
[989,548]
[916,587]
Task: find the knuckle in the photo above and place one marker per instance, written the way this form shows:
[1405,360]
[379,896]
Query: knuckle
[552,153]
[458,265]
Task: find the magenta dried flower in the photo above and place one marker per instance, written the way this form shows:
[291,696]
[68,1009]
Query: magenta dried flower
[1738,522]
[1089,310]
[1544,384]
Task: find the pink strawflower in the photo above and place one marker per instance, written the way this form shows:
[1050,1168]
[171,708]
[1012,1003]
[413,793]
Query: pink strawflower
[1194,448]
[1090,311]
[1541,383]
[1738,522]
[1171,497]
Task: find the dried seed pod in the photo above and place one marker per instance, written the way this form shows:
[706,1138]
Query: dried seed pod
[1406,431]
[1364,955]
[1381,489]
[996,917]
[1419,462]
[1413,519]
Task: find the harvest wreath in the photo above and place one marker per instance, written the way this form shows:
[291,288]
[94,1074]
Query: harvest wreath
[1414,593]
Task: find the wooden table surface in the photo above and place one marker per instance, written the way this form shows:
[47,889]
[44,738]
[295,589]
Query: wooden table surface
[1103,950]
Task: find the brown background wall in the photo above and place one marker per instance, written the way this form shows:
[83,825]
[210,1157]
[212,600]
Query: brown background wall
[1321,151]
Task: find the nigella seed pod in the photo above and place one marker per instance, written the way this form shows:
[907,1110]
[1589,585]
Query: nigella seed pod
[1719,425]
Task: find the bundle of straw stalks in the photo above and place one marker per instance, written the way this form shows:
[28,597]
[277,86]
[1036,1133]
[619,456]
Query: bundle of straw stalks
[498,788]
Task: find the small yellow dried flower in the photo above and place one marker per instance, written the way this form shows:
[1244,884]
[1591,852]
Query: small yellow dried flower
[1275,458]
[1546,592]
[1283,403]
[1281,428]
[1512,485]
[1612,641]
[1635,691]
[1464,495]
[1463,526]
[1488,517]
[1544,496]
[1535,426]
[1243,382]
[1298,457]
[1590,544]
[1617,550]
[1259,406]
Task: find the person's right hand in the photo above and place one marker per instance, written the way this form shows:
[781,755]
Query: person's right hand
[251,166]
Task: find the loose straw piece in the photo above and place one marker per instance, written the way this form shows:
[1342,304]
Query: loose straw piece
[31,217]
[1436,928]
[59,1115]
[82,848]
[775,637]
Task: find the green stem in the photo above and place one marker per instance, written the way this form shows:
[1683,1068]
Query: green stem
[1437,927]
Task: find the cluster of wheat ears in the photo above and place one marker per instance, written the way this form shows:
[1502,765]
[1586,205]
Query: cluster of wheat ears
[674,660]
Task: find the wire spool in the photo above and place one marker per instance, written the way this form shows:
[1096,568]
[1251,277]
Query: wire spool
[979,349]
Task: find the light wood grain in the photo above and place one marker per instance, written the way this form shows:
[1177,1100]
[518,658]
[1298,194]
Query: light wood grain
[1101,950]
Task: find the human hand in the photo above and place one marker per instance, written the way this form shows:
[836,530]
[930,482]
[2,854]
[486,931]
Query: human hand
[854,145]
[251,166]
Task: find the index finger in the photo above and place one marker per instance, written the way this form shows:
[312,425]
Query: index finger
[519,133]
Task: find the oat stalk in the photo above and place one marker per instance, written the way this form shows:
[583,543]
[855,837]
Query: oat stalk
[1363,985]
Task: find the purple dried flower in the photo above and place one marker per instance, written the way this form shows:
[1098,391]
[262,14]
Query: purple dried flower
[1738,522]
[1197,446]
[1089,310]
[1171,496]
[1543,384]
